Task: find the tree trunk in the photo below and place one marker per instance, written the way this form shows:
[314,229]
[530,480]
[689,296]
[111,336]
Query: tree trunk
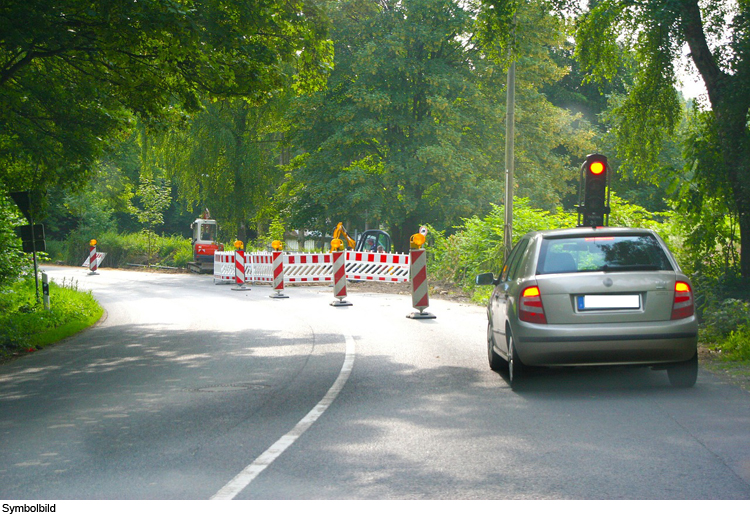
[401,234]
[729,97]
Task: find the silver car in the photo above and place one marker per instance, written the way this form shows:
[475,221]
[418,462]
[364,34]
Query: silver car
[592,296]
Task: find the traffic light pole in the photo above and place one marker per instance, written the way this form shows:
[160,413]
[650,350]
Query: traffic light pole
[509,154]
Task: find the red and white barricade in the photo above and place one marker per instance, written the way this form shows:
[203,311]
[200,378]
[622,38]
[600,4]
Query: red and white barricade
[224,267]
[240,270]
[339,278]
[308,267]
[93,265]
[419,287]
[93,261]
[377,267]
[278,276]
[260,267]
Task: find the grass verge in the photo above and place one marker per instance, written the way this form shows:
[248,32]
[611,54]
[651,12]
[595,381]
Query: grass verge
[26,326]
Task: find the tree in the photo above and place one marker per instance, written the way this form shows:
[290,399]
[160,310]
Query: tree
[226,159]
[717,33]
[410,129]
[73,73]
[11,258]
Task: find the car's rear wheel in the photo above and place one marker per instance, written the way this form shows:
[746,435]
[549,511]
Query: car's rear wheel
[496,362]
[515,367]
[684,374]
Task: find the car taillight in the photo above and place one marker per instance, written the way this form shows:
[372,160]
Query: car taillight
[530,307]
[683,301]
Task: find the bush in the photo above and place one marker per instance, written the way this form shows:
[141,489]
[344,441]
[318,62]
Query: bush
[722,318]
[128,248]
[12,260]
[477,246]
[25,324]
[736,347]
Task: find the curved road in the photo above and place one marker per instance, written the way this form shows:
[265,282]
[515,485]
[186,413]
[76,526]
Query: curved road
[191,390]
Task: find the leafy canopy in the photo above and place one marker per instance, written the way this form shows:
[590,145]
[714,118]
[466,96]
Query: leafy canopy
[72,73]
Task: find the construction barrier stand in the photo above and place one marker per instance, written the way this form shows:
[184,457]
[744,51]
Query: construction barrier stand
[419,287]
[339,279]
[278,276]
[239,270]
[92,260]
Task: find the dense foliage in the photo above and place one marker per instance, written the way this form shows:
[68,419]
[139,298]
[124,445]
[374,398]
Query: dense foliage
[717,32]
[410,129]
[11,258]
[74,73]
[135,117]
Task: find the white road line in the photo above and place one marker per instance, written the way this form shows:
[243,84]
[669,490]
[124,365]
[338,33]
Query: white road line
[246,476]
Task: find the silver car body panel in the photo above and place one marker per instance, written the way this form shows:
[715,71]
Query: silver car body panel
[630,322]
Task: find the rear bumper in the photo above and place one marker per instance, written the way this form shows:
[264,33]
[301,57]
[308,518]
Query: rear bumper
[598,344]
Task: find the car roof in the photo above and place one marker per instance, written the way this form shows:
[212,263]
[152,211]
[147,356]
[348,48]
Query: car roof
[591,231]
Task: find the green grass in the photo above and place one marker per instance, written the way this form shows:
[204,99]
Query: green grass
[25,325]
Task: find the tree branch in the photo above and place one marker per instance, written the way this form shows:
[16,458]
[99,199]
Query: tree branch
[692,27]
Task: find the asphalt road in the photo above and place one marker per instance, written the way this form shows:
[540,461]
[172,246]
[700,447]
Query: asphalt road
[191,390]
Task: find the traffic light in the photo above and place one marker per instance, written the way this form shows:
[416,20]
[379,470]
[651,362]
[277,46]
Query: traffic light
[595,179]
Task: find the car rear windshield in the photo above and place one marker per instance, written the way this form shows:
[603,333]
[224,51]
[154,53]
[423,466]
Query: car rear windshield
[601,253]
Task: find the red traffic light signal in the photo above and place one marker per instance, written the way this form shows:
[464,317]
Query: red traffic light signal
[597,167]
[594,182]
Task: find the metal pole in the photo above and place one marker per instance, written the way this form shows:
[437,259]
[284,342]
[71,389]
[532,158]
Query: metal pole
[509,159]
[33,251]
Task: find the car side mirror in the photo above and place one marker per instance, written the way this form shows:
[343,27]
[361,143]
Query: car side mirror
[485,279]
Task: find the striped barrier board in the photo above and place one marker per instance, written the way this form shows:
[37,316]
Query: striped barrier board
[377,267]
[308,267]
[97,260]
[260,267]
[315,267]
[224,266]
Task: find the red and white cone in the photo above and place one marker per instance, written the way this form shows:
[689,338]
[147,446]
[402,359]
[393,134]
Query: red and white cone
[339,279]
[93,266]
[278,276]
[239,270]
[418,280]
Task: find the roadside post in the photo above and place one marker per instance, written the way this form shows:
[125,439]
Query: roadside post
[278,271]
[239,267]
[339,273]
[45,290]
[93,264]
[418,276]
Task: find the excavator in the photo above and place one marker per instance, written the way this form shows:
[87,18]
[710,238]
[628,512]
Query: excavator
[204,244]
[374,240]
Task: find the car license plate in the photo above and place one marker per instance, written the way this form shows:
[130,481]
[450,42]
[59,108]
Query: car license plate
[609,302]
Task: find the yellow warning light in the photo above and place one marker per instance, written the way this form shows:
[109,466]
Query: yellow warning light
[336,244]
[238,244]
[417,241]
[276,244]
[597,168]
[92,242]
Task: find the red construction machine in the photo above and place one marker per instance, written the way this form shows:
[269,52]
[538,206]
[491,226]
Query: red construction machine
[205,230]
